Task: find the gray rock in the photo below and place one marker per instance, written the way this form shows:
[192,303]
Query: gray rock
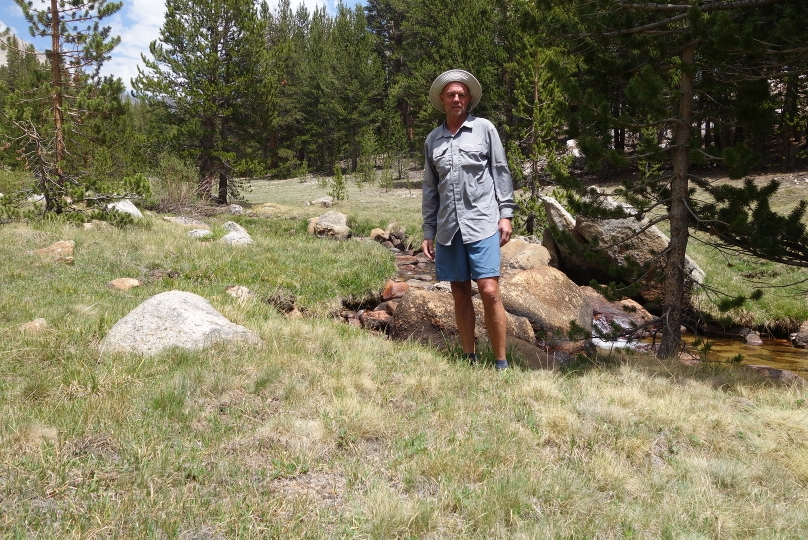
[173,319]
[325,202]
[235,209]
[800,338]
[331,224]
[200,233]
[238,235]
[125,206]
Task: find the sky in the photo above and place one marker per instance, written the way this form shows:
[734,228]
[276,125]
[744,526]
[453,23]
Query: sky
[138,23]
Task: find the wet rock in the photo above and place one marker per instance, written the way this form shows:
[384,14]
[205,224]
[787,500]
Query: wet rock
[394,289]
[800,338]
[626,314]
[753,338]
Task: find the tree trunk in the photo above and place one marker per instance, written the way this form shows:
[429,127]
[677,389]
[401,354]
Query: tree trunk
[222,187]
[672,308]
[53,198]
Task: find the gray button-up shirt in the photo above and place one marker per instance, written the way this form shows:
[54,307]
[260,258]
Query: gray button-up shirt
[467,183]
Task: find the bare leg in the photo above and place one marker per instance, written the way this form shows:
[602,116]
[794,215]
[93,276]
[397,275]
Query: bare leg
[464,314]
[496,321]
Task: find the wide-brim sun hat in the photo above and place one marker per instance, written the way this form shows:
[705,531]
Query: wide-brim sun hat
[455,75]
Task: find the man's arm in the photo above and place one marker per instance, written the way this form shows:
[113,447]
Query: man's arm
[430,200]
[503,184]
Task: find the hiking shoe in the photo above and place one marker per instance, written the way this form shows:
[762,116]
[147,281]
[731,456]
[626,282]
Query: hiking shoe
[501,365]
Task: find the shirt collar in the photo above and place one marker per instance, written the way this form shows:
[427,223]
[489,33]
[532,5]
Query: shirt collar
[467,124]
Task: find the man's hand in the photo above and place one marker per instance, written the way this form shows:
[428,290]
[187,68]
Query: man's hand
[505,230]
[429,249]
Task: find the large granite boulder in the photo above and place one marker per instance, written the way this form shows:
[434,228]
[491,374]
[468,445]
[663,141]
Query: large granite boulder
[428,317]
[173,319]
[548,299]
[623,239]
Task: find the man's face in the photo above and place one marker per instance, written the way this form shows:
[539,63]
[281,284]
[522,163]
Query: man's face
[455,98]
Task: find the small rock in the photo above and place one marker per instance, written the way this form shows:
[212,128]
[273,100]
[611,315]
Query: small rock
[200,233]
[375,320]
[325,202]
[394,289]
[406,259]
[235,210]
[238,235]
[753,338]
[34,327]
[379,235]
[125,206]
[124,284]
[239,292]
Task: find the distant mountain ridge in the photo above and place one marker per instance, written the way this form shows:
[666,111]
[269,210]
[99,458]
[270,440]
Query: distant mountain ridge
[21,44]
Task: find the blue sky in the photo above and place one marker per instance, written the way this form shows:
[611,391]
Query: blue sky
[138,23]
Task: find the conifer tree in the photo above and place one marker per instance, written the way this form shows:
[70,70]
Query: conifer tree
[207,71]
[55,134]
[643,66]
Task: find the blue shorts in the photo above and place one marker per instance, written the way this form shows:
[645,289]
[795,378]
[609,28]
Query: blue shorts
[462,262]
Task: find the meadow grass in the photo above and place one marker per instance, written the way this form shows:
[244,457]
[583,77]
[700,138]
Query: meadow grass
[328,431]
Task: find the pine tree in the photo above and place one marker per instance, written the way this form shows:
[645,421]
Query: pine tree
[56,135]
[206,71]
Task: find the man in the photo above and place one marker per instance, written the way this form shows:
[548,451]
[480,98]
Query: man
[467,207]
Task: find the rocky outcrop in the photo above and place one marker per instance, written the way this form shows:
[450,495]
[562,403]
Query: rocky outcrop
[173,319]
[61,251]
[548,299]
[623,240]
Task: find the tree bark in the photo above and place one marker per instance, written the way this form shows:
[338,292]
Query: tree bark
[53,201]
[672,308]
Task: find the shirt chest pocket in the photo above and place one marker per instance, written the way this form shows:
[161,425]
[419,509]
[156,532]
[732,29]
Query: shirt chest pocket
[472,155]
[442,159]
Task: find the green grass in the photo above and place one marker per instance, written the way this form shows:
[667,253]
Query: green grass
[327,431]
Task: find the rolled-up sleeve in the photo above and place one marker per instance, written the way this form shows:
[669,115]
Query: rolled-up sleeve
[503,183]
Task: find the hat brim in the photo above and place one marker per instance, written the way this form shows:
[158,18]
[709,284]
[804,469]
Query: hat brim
[455,75]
